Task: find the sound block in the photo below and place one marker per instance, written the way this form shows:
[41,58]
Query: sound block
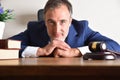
[99,56]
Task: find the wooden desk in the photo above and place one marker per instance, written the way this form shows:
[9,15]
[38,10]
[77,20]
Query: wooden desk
[59,69]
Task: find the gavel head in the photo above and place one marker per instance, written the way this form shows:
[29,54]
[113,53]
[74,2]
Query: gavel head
[97,46]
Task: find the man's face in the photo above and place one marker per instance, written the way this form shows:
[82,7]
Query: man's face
[58,21]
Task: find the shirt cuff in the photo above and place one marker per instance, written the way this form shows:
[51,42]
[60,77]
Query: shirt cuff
[84,49]
[30,51]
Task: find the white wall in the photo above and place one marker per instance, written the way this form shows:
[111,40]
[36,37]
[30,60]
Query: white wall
[103,15]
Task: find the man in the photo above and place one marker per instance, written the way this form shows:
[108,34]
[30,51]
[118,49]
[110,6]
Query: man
[59,35]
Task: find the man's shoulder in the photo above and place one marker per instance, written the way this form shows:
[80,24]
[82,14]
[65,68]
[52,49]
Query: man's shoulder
[79,22]
[80,25]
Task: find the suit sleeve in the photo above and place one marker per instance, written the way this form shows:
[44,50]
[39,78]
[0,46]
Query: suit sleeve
[96,36]
[24,37]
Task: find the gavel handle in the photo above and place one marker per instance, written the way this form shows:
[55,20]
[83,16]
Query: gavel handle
[117,53]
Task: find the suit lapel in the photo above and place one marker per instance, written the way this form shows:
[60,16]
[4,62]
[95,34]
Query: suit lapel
[72,35]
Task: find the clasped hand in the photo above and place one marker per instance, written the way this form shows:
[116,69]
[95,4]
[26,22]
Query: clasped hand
[58,49]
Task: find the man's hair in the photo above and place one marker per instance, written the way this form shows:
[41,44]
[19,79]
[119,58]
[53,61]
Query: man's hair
[52,4]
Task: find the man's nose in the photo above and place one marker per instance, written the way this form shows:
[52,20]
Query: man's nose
[57,28]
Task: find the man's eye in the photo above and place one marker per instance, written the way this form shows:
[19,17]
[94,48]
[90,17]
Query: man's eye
[51,22]
[63,21]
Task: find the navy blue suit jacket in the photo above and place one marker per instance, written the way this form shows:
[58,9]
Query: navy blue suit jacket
[79,35]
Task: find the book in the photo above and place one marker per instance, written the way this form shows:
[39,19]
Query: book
[10,44]
[9,53]
[9,62]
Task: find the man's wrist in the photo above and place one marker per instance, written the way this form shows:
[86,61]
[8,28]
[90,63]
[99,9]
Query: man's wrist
[40,52]
[77,52]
